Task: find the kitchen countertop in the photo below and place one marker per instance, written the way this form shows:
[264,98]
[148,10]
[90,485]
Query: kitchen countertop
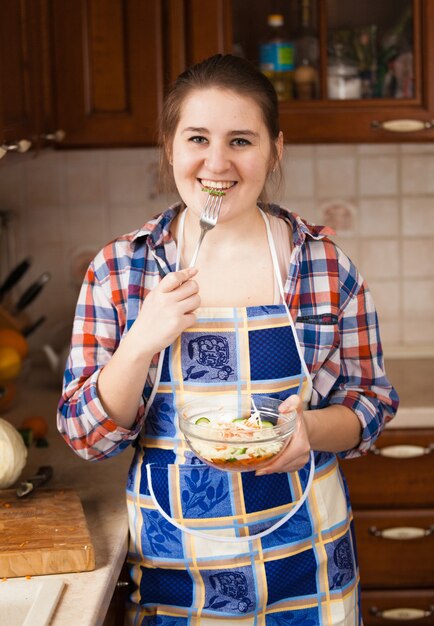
[101,485]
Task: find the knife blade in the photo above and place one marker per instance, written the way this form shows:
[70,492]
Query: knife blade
[28,330]
[43,475]
[31,292]
[14,276]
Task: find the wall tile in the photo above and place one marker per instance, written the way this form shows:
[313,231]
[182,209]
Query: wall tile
[85,178]
[42,181]
[418,297]
[336,177]
[378,176]
[126,177]
[386,294]
[12,189]
[379,217]
[376,149]
[418,174]
[298,178]
[335,150]
[418,258]
[379,259]
[418,216]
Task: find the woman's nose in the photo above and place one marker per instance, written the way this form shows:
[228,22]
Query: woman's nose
[217,158]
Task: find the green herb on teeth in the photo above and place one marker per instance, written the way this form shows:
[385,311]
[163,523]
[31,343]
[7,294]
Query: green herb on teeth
[214,192]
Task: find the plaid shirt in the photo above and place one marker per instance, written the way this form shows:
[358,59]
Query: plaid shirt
[334,315]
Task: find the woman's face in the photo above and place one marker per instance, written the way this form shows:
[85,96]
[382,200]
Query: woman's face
[221,142]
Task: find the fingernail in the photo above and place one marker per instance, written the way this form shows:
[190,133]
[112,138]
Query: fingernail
[260,473]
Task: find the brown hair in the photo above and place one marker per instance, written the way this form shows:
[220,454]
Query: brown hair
[228,72]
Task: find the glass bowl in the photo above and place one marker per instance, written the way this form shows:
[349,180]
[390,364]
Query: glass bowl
[226,432]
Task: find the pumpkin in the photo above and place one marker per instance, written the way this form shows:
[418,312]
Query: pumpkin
[13,454]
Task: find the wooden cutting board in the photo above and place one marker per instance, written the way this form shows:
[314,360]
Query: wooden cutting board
[43,533]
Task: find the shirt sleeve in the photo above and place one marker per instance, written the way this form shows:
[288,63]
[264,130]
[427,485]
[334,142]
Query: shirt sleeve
[97,330]
[362,385]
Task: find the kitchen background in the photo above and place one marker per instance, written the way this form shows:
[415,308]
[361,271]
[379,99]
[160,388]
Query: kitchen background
[379,198]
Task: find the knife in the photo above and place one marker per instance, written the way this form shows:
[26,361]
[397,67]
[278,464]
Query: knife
[14,276]
[28,330]
[31,292]
[43,475]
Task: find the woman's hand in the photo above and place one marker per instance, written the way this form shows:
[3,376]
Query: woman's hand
[297,450]
[167,311]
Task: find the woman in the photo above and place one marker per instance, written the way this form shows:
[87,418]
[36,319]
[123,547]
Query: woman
[293,319]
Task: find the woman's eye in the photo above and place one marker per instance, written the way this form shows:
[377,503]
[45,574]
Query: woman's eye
[240,141]
[198,139]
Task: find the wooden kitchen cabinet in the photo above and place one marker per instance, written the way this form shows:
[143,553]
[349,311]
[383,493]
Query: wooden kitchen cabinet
[108,68]
[325,120]
[26,107]
[392,496]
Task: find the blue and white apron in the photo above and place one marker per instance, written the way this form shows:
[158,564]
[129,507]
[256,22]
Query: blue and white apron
[209,547]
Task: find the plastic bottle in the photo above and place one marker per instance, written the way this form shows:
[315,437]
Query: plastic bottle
[276,56]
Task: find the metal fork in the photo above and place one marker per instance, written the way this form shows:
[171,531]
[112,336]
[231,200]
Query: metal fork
[208,220]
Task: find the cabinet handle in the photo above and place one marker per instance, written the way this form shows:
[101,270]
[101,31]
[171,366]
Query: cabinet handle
[403,126]
[403,613]
[17,146]
[404,451]
[56,137]
[401,532]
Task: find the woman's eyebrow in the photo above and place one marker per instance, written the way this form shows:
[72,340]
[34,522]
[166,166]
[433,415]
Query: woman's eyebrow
[246,132]
[194,129]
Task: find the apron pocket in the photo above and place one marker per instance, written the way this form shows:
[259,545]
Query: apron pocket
[200,498]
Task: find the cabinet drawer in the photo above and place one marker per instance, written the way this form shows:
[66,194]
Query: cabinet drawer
[378,481]
[388,562]
[404,607]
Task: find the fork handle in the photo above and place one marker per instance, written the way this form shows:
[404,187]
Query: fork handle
[196,252]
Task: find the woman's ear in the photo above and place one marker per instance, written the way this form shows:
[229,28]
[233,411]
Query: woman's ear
[279,146]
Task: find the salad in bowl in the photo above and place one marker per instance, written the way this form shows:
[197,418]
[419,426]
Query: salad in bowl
[235,433]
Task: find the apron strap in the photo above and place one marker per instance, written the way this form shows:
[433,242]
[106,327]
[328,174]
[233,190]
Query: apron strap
[208,536]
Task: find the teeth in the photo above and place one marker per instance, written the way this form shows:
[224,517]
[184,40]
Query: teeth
[216,184]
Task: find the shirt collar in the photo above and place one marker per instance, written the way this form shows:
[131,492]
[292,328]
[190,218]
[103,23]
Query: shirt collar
[300,227]
[157,230]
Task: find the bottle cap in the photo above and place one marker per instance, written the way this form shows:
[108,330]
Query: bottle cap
[275,19]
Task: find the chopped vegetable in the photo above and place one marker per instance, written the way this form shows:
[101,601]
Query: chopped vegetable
[202,420]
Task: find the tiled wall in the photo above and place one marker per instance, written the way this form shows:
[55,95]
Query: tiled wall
[380,198]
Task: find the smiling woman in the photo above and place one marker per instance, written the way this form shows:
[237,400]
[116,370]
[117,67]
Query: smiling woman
[274,309]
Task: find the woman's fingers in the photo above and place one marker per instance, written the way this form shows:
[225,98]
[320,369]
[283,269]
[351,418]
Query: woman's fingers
[174,280]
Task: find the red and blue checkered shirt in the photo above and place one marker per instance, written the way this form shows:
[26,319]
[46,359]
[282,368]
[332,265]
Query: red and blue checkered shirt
[334,315]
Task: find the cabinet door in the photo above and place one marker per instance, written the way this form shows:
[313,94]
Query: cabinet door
[108,69]
[403,607]
[395,548]
[18,70]
[394,474]
[379,111]
[195,30]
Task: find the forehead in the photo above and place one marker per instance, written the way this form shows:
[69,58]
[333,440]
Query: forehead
[220,108]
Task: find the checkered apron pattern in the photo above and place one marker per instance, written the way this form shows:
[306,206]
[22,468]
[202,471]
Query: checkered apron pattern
[209,547]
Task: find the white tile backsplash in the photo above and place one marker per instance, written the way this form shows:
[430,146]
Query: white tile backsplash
[67,202]
[378,175]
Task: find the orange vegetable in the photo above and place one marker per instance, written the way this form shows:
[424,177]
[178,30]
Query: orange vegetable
[37,424]
[10,338]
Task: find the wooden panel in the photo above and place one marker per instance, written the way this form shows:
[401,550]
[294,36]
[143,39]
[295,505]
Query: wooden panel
[374,602]
[109,74]
[107,61]
[14,69]
[379,482]
[44,533]
[395,563]
[208,29]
